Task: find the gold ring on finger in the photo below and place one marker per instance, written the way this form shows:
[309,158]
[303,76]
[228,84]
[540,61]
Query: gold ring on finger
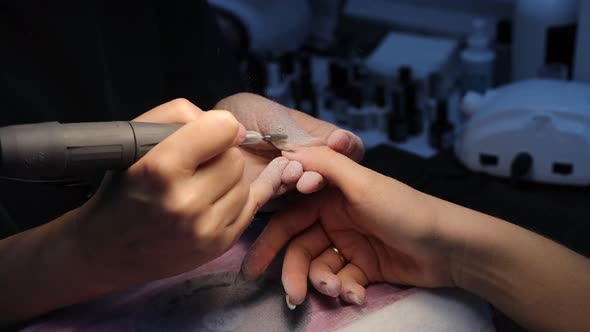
[342,259]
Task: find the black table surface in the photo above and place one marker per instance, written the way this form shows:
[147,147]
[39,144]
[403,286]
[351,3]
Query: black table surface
[556,212]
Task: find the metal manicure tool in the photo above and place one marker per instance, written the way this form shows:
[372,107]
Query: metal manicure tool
[278,140]
[53,150]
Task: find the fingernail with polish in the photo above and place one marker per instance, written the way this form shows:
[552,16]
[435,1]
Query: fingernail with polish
[289,304]
[330,288]
[354,298]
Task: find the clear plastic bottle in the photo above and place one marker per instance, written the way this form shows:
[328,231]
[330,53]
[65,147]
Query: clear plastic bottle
[477,60]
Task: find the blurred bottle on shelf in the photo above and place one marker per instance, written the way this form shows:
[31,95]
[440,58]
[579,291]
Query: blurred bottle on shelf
[410,101]
[397,125]
[477,60]
[441,133]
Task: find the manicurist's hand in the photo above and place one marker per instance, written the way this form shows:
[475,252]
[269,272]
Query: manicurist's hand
[383,230]
[181,205]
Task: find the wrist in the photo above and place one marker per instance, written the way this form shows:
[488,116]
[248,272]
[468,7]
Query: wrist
[100,250]
[538,283]
[483,248]
[35,267]
[84,268]
[437,237]
[464,233]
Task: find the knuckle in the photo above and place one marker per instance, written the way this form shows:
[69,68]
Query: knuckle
[176,207]
[174,202]
[185,109]
[160,169]
[206,233]
[224,120]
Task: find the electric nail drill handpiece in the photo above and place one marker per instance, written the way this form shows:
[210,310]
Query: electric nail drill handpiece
[52,150]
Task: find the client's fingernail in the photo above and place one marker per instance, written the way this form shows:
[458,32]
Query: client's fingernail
[283,188]
[330,288]
[289,304]
[289,149]
[339,141]
[354,298]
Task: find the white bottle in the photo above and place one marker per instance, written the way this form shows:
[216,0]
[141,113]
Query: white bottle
[477,60]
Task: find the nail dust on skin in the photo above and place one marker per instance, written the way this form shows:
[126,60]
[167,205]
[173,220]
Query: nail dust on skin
[308,182]
[292,172]
[282,123]
[274,172]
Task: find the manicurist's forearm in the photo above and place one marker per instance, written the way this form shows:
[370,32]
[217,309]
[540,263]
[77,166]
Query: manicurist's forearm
[41,270]
[540,284]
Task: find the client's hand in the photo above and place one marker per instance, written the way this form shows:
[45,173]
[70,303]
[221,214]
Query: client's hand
[383,230]
[264,115]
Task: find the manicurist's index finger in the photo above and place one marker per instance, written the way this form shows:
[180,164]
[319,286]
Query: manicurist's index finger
[181,153]
[178,111]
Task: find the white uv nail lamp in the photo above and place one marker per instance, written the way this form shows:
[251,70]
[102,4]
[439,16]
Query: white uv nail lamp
[536,130]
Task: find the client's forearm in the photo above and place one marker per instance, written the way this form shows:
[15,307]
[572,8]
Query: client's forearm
[540,284]
[41,270]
